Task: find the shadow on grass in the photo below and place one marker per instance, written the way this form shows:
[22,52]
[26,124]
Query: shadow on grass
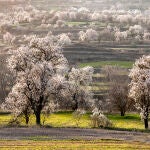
[5,113]
[126,117]
[25,126]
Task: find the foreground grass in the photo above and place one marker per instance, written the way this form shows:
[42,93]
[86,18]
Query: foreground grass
[66,119]
[72,145]
[123,64]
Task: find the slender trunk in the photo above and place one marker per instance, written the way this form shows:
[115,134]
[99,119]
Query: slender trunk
[27,119]
[146,118]
[75,107]
[38,118]
[146,123]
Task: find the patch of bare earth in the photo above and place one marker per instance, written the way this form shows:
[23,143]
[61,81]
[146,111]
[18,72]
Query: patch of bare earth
[72,133]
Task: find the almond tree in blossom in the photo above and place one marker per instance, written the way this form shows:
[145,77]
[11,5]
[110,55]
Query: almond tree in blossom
[140,86]
[35,65]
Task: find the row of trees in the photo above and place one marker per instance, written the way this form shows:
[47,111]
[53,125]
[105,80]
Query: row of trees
[63,39]
[58,19]
[135,33]
[44,81]
[26,62]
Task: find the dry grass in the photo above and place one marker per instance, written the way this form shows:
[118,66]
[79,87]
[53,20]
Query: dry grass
[72,145]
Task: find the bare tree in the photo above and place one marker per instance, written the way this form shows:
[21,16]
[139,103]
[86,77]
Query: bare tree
[118,94]
[118,88]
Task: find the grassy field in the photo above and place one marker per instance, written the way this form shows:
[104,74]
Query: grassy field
[72,145]
[76,23]
[66,119]
[129,121]
[123,64]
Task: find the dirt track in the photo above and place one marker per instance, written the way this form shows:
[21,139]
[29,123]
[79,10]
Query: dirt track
[71,133]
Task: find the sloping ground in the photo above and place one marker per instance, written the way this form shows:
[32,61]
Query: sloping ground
[91,4]
[72,133]
[88,53]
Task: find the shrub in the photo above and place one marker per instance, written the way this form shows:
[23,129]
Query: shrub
[77,115]
[98,119]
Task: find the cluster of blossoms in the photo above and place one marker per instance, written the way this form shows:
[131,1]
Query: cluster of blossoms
[63,39]
[120,35]
[89,35]
[60,39]
[8,38]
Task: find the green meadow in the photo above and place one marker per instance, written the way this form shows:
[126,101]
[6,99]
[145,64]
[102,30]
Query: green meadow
[67,119]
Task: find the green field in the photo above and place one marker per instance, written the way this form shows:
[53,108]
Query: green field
[129,121]
[123,64]
[76,23]
[66,119]
[72,145]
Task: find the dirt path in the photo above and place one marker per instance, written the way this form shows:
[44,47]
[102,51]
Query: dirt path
[71,133]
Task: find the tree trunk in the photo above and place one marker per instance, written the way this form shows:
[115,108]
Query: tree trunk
[122,112]
[38,118]
[146,123]
[27,119]
[75,107]
[26,114]
[146,118]
[37,111]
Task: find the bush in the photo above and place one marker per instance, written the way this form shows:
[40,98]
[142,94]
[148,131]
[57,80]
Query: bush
[77,115]
[98,119]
